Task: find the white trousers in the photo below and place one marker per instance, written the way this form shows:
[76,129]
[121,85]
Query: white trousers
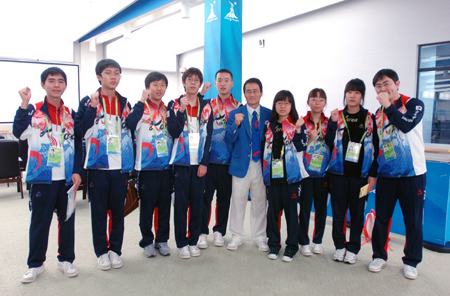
[252,181]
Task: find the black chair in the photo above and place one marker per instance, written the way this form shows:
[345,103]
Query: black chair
[9,163]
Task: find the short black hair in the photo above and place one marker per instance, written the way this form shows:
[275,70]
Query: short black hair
[355,85]
[254,80]
[385,72]
[52,71]
[106,63]
[317,92]
[155,76]
[224,71]
[193,71]
[281,96]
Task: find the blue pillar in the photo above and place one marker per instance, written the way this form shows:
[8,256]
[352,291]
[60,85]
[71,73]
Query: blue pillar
[223,43]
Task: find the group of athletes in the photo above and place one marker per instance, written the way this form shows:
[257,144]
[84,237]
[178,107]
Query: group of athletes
[195,147]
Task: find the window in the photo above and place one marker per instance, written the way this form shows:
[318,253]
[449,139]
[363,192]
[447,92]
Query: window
[434,90]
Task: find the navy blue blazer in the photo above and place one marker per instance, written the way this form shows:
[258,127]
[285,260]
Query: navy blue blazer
[241,140]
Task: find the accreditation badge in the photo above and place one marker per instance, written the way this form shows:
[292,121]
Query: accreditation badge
[277,169]
[316,162]
[113,145]
[194,142]
[161,148]
[54,157]
[388,151]
[353,150]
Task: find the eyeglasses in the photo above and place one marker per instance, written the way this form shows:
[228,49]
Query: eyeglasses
[379,86]
[282,104]
[189,80]
[249,91]
[110,74]
[317,100]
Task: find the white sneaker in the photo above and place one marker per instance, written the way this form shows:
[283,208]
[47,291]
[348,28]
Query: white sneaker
[218,239]
[184,252]
[410,272]
[149,251]
[317,248]
[234,244]
[305,250]
[68,269]
[262,246]
[339,255]
[350,257]
[194,250]
[273,254]
[202,241]
[116,261]
[103,262]
[32,274]
[377,264]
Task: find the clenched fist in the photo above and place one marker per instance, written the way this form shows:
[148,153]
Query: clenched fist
[25,94]
[299,123]
[183,103]
[145,95]
[94,99]
[335,115]
[238,119]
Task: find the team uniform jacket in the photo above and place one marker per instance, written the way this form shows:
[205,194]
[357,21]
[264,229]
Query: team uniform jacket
[334,137]
[178,129]
[294,146]
[320,142]
[220,148]
[31,124]
[90,124]
[405,119]
[146,127]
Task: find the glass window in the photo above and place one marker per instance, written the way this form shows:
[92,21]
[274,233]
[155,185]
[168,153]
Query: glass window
[434,90]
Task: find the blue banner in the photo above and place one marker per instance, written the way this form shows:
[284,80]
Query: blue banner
[223,43]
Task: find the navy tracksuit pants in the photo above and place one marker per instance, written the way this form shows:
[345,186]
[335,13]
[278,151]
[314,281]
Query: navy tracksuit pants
[189,193]
[45,198]
[410,192]
[313,188]
[107,193]
[217,178]
[345,195]
[283,197]
[155,190]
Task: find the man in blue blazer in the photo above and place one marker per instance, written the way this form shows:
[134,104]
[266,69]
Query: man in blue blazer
[245,129]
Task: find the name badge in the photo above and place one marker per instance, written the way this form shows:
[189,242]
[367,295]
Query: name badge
[277,168]
[161,148]
[54,157]
[316,162]
[388,151]
[353,150]
[113,145]
[194,142]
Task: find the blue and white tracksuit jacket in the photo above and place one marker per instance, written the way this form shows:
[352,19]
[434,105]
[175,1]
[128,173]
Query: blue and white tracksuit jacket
[178,129]
[320,146]
[90,124]
[334,136]
[146,127]
[294,147]
[404,118]
[31,124]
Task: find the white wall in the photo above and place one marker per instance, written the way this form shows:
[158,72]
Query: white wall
[328,47]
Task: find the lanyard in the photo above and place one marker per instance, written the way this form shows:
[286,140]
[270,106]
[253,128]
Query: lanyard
[106,117]
[49,131]
[345,122]
[382,125]
[320,134]
[250,117]
[220,114]
[198,114]
[282,147]
[162,116]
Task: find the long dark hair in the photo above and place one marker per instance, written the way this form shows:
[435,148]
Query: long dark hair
[281,96]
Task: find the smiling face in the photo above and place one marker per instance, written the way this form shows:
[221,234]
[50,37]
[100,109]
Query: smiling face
[283,108]
[224,83]
[386,84]
[192,84]
[353,98]
[157,89]
[253,94]
[317,104]
[55,86]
